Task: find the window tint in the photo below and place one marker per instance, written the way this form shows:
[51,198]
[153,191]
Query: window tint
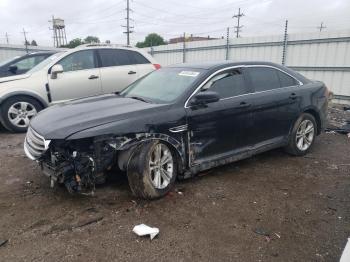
[264,78]
[227,84]
[137,58]
[78,61]
[114,57]
[120,57]
[286,80]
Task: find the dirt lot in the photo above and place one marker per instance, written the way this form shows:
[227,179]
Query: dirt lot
[222,215]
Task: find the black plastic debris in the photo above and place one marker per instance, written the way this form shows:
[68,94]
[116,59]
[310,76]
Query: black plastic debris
[344,129]
[3,242]
[261,231]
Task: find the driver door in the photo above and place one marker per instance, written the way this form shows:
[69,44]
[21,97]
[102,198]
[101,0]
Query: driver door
[80,77]
[221,128]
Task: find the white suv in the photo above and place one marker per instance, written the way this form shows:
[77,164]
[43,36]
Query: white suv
[80,72]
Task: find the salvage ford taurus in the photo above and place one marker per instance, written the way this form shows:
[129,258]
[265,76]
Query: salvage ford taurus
[176,122]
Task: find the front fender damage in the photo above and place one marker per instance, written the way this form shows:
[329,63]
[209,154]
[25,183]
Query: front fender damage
[81,164]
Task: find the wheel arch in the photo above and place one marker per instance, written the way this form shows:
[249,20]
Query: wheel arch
[127,150]
[317,117]
[32,95]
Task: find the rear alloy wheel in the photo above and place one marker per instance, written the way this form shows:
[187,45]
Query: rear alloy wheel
[152,170]
[18,111]
[302,136]
[305,135]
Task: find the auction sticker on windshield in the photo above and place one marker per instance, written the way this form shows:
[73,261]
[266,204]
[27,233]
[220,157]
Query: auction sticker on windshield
[189,73]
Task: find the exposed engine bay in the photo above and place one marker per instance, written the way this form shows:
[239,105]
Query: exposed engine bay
[79,164]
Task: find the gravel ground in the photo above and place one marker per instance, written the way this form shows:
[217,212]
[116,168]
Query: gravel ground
[272,207]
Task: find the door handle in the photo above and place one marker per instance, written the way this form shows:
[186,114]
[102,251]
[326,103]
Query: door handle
[243,105]
[132,72]
[293,96]
[93,77]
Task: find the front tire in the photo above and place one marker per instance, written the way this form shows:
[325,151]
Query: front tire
[152,170]
[17,111]
[302,136]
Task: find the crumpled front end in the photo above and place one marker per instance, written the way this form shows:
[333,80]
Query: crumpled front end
[78,164]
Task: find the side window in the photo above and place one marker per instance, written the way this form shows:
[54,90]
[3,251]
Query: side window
[227,84]
[39,59]
[78,61]
[115,57]
[26,64]
[286,80]
[264,78]
[137,58]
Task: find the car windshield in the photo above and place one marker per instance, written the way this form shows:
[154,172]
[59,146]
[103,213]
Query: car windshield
[8,60]
[162,86]
[45,62]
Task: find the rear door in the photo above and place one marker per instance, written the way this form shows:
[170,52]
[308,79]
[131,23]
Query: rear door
[144,66]
[80,77]
[275,104]
[222,128]
[117,69]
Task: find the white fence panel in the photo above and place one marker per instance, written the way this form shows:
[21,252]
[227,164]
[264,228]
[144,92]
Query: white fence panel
[324,56]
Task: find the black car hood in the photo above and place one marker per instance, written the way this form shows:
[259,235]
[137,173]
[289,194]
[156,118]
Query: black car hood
[63,120]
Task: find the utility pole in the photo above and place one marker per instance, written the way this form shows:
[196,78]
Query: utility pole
[128,27]
[321,27]
[184,48]
[7,38]
[238,27]
[285,43]
[227,42]
[25,40]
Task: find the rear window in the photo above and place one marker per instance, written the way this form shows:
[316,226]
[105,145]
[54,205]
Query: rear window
[264,78]
[286,80]
[137,58]
[120,57]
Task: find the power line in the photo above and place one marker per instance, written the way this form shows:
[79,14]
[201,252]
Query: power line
[128,27]
[321,27]
[238,27]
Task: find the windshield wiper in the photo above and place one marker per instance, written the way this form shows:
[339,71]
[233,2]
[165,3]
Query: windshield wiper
[139,98]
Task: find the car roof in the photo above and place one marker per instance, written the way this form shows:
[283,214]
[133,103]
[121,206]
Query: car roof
[43,52]
[217,65]
[212,65]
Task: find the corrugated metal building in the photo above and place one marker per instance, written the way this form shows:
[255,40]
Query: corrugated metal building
[9,51]
[324,56]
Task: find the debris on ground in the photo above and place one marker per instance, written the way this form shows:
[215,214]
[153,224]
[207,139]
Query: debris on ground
[261,231]
[3,242]
[88,222]
[144,230]
[338,120]
[345,257]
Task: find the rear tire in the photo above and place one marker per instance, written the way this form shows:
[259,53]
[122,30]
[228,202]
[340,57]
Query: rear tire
[17,111]
[302,136]
[152,170]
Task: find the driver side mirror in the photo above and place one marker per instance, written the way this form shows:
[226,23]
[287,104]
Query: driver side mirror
[13,69]
[205,97]
[55,70]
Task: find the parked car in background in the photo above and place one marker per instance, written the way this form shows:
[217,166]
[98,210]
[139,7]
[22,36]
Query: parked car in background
[176,122]
[22,64]
[80,72]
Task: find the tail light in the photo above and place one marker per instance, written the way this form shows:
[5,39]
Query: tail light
[328,94]
[157,66]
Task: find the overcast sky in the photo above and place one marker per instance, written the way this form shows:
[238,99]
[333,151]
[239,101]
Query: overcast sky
[169,18]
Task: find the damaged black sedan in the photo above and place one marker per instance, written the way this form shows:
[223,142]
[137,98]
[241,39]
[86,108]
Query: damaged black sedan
[176,122]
